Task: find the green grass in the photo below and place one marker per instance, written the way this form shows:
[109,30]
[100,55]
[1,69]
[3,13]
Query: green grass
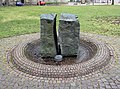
[24,20]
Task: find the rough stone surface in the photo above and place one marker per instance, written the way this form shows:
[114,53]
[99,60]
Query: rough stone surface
[48,48]
[107,78]
[69,29]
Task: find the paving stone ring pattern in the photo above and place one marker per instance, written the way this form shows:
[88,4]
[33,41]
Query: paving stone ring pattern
[98,55]
[107,77]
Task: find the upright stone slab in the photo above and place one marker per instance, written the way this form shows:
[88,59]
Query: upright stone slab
[47,42]
[69,32]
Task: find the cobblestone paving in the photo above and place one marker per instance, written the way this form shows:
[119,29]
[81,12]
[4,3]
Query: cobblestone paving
[107,78]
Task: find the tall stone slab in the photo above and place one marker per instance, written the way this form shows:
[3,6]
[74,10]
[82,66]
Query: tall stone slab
[69,32]
[47,35]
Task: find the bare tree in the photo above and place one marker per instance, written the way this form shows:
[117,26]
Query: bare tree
[6,2]
[112,2]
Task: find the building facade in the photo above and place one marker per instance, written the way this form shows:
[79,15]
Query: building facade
[34,2]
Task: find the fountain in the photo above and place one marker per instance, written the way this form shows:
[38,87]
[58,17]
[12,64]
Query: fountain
[60,54]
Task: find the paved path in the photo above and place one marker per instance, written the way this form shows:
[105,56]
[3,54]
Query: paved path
[107,78]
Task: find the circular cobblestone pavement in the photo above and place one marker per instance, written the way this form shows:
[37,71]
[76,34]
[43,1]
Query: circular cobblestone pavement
[107,77]
[98,55]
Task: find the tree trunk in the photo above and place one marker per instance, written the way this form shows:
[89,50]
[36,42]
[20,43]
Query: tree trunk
[107,2]
[30,2]
[112,2]
[7,2]
[0,2]
[93,2]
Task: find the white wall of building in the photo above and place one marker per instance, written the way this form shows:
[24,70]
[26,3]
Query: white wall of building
[56,0]
[117,1]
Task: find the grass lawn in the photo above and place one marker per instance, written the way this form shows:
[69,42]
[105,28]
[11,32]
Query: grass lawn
[93,19]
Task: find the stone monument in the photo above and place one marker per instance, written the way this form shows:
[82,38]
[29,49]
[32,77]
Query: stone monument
[69,34]
[65,41]
[47,35]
